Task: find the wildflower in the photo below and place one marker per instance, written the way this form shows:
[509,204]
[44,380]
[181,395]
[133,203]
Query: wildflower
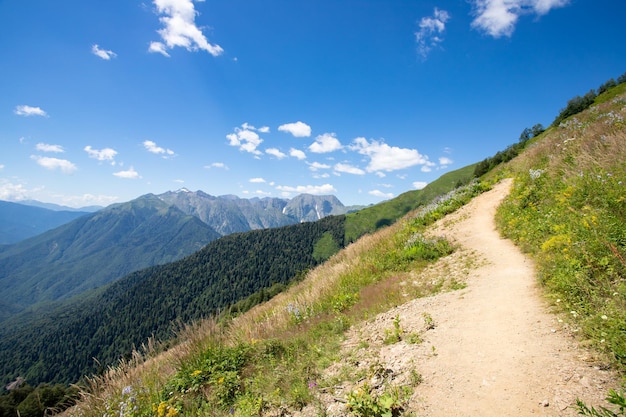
[196,373]
[127,390]
[604,317]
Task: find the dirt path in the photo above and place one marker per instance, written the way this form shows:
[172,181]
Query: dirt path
[495,350]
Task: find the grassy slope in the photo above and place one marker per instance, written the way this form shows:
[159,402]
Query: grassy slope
[568,210]
[386,213]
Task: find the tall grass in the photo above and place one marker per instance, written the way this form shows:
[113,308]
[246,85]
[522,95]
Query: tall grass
[568,208]
[273,356]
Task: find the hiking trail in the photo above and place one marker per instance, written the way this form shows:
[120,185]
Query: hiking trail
[492,348]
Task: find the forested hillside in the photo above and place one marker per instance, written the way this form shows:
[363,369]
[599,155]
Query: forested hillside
[61,347]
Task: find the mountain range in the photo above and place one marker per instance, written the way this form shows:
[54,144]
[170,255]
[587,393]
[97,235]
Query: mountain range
[92,249]
[19,221]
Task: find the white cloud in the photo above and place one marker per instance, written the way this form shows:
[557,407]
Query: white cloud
[445,161]
[297,153]
[321,176]
[153,148]
[348,169]
[45,147]
[431,29]
[275,152]
[158,48]
[257,180]
[314,166]
[13,192]
[106,154]
[297,129]
[499,17]
[246,139]
[102,53]
[63,165]
[325,143]
[264,129]
[179,28]
[308,189]
[130,174]
[219,165]
[418,185]
[388,158]
[24,110]
[378,193]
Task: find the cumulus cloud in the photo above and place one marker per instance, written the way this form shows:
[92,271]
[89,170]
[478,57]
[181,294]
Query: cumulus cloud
[444,161]
[246,139]
[219,165]
[106,154]
[153,148]
[179,29]
[378,193]
[13,192]
[130,174]
[325,143]
[45,147]
[25,110]
[498,17]
[430,32]
[102,53]
[297,153]
[257,180]
[387,158]
[275,152]
[315,166]
[308,189]
[297,129]
[348,169]
[418,185]
[52,164]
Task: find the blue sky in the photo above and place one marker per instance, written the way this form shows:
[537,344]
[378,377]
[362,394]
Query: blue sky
[103,101]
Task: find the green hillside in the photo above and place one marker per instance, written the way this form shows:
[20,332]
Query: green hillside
[386,213]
